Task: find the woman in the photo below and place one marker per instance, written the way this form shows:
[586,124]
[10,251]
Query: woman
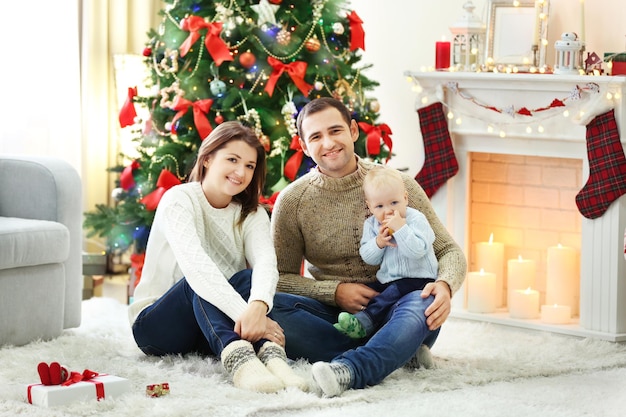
[196,292]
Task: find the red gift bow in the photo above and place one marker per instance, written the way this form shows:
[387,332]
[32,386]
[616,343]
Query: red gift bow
[214,44]
[296,71]
[294,162]
[128,113]
[374,135]
[136,261]
[166,181]
[127,181]
[200,109]
[357,34]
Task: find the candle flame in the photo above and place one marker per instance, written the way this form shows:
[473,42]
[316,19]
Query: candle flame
[519,258]
[528,290]
[491,238]
[482,271]
[555,305]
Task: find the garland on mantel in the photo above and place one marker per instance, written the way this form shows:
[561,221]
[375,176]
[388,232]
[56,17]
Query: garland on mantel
[587,100]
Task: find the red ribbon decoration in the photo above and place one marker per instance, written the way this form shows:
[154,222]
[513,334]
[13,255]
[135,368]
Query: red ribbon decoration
[136,262]
[294,162]
[296,70]
[75,377]
[166,181]
[214,44]
[127,181]
[269,201]
[374,135]
[357,34]
[128,113]
[200,109]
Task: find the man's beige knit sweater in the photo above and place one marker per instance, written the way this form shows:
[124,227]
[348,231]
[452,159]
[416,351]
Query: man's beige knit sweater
[320,219]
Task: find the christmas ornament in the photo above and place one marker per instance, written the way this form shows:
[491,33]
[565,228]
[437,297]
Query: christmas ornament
[374,106]
[318,85]
[265,141]
[312,44]
[283,37]
[276,1]
[607,167]
[266,12]
[247,59]
[218,87]
[440,163]
[219,119]
[117,193]
[338,28]
[147,51]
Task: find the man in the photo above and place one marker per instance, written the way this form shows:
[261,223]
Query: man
[319,217]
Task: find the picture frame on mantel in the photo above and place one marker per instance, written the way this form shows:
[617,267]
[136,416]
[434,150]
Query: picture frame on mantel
[512,30]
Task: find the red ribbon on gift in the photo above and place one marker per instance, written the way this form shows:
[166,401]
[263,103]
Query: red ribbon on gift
[85,376]
[166,181]
[128,113]
[200,109]
[374,135]
[127,181]
[136,262]
[294,162]
[213,42]
[357,34]
[296,70]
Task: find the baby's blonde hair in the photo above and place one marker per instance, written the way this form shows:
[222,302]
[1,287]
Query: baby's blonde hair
[380,176]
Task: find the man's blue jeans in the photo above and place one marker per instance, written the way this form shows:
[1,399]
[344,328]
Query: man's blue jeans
[310,334]
[181,322]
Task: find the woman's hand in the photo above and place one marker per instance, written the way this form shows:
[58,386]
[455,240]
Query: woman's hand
[254,325]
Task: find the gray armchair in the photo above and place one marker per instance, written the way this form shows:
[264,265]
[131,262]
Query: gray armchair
[40,248]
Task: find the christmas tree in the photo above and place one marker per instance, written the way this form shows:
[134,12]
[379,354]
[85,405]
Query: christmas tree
[254,61]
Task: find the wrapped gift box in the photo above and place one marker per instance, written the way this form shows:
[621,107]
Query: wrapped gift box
[619,62]
[97,388]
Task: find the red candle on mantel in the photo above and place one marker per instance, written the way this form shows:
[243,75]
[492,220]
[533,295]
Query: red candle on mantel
[442,55]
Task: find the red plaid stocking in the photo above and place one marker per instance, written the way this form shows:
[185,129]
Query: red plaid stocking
[439,160]
[607,167]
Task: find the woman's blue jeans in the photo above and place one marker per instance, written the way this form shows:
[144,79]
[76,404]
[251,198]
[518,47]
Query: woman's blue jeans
[181,322]
[310,334]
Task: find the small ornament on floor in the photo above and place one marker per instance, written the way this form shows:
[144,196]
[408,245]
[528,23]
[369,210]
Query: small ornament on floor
[158,390]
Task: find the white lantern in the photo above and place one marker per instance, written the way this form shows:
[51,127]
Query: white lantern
[468,44]
[567,54]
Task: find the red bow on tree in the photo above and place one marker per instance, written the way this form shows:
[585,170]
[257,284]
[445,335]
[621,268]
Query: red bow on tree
[166,181]
[293,163]
[296,70]
[357,34]
[376,133]
[128,113]
[200,109]
[214,44]
[269,201]
[127,181]
[136,262]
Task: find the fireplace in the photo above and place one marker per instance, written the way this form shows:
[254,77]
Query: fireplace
[513,120]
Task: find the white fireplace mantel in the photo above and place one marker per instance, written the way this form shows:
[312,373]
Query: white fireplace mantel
[474,98]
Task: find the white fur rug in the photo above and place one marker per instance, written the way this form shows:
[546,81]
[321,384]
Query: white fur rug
[481,370]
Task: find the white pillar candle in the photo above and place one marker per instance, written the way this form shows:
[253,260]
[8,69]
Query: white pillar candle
[562,277]
[556,314]
[521,274]
[481,292]
[524,304]
[490,258]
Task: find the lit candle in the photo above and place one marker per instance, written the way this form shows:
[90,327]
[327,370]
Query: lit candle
[490,257]
[481,292]
[556,314]
[520,274]
[582,21]
[524,304]
[562,276]
[442,55]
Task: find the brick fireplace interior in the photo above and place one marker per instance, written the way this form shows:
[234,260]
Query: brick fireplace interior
[527,203]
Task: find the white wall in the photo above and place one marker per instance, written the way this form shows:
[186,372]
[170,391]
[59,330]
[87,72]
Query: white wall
[400,36]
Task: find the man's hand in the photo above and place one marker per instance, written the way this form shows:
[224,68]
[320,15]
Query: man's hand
[438,311]
[353,297]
